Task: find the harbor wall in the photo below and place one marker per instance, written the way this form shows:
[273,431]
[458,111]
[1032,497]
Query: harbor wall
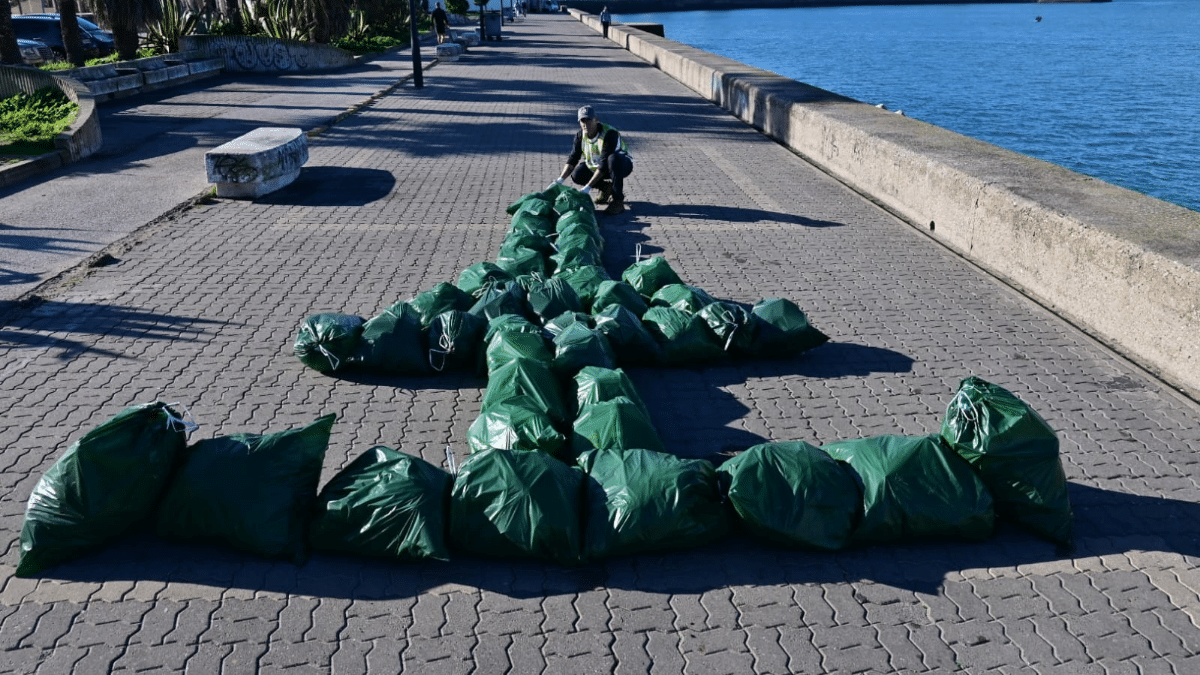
[1120,265]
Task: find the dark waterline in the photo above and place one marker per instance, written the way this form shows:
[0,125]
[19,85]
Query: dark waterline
[1111,90]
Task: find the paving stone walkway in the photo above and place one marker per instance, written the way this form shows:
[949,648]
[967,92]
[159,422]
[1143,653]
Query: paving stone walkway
[203,310]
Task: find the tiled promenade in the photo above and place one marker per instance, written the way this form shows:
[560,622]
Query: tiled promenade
[203,310]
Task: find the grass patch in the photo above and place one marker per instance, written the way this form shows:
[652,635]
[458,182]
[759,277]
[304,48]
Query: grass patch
[370,45]
[29,122]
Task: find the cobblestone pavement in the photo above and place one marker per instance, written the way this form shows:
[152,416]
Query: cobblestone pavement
[203,310]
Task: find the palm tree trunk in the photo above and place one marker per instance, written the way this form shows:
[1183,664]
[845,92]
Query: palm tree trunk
[9,52]
[68,11]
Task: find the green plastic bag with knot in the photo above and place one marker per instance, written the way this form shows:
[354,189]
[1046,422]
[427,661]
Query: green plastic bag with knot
[631,341]
[618,293]
[580,346]
[586,281]
[509,323]
[552,297]
[518,260]
[253,492]
[105,484]
[682,297]
[507,504]
[567,199]
[650,275]
[596,385]
[683,339]
[329,342]
[508,346]
[527,377]
[794,495]
[474,279]
[641,501]
[735,327]
[500,299]
[440,299]
[534,202]
[554,327]
[582,253]
[617,423]
[515,424]
[393,342]
[1016,455]
[783,330]
[915,487]
[385,504]
[454,340]
[532,223]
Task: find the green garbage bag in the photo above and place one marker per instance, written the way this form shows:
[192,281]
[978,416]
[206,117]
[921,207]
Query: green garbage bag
[583,254]
[631,341]
[105,483]
[577,218]
[527,377]
[794,495]
[515,424]
[577,233]
[649,275]
[508,346]
[1015,453]
[683,339]
[454,340]
[580,346]
[618,423]
[329,342]
[618,293]
[641,501]
[682,297]
[554,327]
[525,238]
[519,260]
[509,323]
[596,385]
[586,281]
[385,504]
[569,199]
[783,330]
[533,202]
[500,299]
[552,297]
[252,492]
[915,487]
[532,222]
[507,504]
[482,275]
[440,299]
[734,326]
[394,342]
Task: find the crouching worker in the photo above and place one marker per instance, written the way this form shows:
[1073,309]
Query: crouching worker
[605,161]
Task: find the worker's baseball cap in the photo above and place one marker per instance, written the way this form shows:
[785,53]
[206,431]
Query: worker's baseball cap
[587,112]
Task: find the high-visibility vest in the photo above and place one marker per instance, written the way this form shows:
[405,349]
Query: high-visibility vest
[592,147]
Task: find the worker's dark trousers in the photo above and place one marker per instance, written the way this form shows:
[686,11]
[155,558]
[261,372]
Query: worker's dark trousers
[619,166]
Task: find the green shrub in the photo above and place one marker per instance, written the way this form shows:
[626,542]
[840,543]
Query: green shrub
[370,45]
[26,118]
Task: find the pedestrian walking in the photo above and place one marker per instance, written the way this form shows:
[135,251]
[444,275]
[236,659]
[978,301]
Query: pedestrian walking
[605,19]
[441,22]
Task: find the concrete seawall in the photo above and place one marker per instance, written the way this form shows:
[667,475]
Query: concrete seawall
[1122,266]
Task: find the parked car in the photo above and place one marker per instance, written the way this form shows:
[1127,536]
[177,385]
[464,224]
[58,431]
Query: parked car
[104,39]
[46,29]
[34,53]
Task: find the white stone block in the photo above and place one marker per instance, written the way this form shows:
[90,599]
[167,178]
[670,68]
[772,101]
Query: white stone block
[257,163]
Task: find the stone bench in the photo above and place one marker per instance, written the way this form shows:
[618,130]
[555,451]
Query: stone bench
[257,163]
[449,51]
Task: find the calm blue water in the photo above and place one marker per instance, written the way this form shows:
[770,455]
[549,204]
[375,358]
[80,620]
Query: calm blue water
[1111,90]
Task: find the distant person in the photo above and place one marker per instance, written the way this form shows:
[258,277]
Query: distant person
[441,23]
[605,19]
[605,161]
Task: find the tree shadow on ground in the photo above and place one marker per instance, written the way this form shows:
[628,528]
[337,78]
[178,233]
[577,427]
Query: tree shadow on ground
[331,186]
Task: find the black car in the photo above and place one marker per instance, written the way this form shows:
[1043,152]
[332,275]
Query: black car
[104,39]
[47,30]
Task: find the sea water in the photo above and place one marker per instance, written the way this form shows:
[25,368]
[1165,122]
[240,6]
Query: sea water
[1111,90]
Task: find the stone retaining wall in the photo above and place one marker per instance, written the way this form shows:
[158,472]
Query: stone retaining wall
[81,139]
[244,54]
[1123,266]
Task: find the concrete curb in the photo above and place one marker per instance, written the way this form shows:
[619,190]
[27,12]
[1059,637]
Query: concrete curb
[1120,265]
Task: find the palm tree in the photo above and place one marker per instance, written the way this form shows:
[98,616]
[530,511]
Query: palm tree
[126,18]
[68,17]
[9,51]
